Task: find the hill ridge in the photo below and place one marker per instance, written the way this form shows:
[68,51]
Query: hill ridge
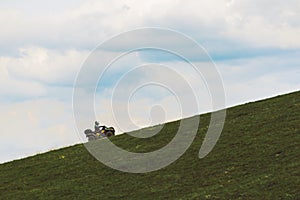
[256,157]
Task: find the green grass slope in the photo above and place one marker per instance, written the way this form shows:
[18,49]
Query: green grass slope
[257,157]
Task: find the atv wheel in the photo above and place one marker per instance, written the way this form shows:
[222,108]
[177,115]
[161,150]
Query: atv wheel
[91,137]
[109,134]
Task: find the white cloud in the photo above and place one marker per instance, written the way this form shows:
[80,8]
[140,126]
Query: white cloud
[11,86]
[45,65]
[257,78]
[33,126]
[174,86]
[253,23]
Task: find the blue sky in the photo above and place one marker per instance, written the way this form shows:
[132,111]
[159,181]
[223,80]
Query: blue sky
[255,45]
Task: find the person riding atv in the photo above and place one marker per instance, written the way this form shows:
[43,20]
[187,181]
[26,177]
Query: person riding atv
[100,132]
[97,127]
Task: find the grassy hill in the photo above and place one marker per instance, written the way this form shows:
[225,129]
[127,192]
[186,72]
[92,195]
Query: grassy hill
[257,157]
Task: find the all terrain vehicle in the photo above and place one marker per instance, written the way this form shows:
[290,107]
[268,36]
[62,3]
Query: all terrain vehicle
[95,135]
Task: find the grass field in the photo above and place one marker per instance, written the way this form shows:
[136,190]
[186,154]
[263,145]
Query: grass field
[256,157]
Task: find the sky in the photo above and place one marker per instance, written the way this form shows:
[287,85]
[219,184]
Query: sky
[255,46]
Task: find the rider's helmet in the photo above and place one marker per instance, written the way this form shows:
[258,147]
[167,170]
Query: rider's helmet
[96,123]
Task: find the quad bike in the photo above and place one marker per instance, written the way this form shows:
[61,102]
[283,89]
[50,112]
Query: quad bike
[105,132]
